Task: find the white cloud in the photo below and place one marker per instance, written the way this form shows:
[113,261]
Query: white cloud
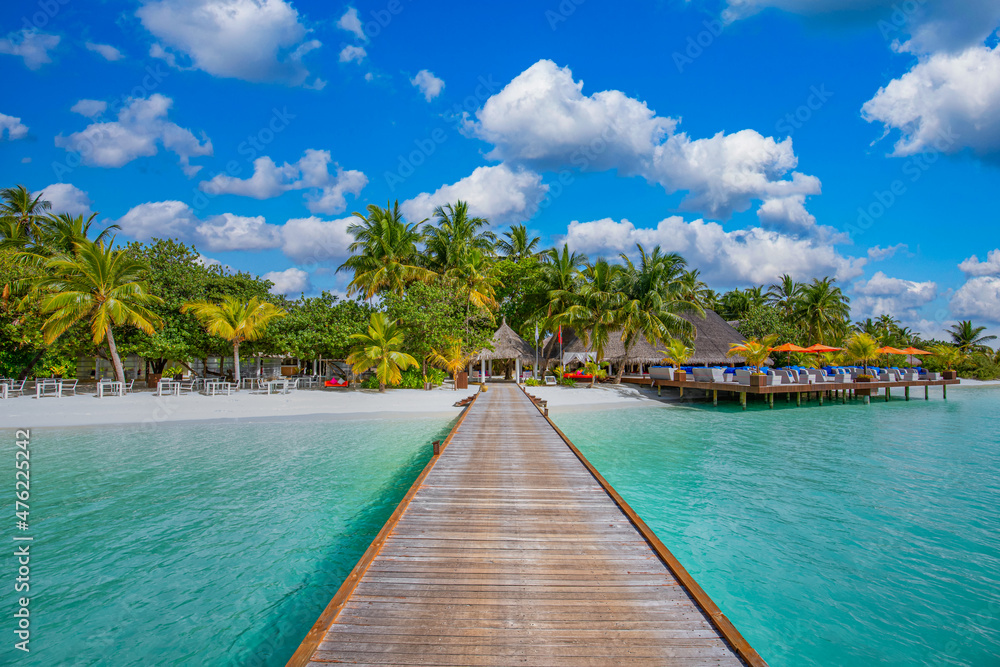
[162,219]
[12,127]
[500,194]
[89,108]
[31,45]
[787,214]
[991,267]
[253,40]
[234,232]
[978,299]
[877,254]
[947,102]
[290,282]
[351,22]
[543,120]
[304,240]
[106,51]
[932,25]
[895,296]
[747,256]
[207,261]
[141,127]
[326,192]
[313,240]
[429,85]
[66,198]
[352,53]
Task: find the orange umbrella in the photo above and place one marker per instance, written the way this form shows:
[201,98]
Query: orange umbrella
[819,348]
[787,347]
[890,350]
[913,350]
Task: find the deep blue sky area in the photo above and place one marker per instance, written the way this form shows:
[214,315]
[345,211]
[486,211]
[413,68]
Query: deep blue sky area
[682,112]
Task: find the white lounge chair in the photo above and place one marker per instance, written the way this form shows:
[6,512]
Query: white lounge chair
[69,387]
[14,387]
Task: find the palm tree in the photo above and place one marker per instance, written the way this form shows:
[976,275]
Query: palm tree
[517,245]
[785,294]
[949,355]
[651,302]
[455,235]
[386,253]
[677,352]
[99,284]
[451,359]
[861,347]
[592,309]
[560,277]
[18,205]
[596,372]
[823,309]
[63,231]
[693,289]
[475,278]
[968,338]
[754,351]
[235,320]
[381,347]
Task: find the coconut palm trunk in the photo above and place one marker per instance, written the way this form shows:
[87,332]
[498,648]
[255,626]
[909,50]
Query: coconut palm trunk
[115,359]
[621,366]
[236,362]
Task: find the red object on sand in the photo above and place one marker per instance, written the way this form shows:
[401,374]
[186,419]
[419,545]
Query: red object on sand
[335,383]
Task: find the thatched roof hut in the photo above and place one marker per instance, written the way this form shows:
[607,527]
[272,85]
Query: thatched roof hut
[507,345]
[712,340]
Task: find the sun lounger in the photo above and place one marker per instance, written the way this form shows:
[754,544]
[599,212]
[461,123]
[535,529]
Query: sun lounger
[69,387]
[709,375]
[14,387]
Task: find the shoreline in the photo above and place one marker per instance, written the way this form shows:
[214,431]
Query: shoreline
[145,409]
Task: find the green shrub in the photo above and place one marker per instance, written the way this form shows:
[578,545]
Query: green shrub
[566,382]
[412,379]
[532,382]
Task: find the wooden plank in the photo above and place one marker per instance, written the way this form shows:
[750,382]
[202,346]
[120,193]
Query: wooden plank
[510,549]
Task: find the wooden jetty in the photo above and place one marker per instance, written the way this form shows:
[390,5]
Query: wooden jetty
[510,549]
[836,391]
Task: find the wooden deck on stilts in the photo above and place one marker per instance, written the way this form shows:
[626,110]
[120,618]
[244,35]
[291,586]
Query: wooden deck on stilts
[510,549]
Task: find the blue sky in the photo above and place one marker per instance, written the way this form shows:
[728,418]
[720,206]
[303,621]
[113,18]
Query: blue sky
[856,138]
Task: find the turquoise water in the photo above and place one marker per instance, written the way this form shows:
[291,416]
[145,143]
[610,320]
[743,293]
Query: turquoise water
[835,535]
[199,544]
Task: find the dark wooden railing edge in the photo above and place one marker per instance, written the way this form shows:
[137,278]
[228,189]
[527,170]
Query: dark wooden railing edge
[725,627]
[303,654]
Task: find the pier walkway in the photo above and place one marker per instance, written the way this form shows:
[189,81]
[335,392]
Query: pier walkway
[510,549]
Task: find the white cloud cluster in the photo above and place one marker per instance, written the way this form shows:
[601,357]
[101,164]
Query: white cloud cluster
[542,119]
[305,240]
[106,51]
[326,192]
[12,127]
[66,198]
[946,102]
[501,194]
[978,299]
[991,267]
[351,53]
[896,296]
[749,256]
[877,253]
[253,40]
[351,22]
[290,282]
[89,108]
[142,127]
[428,84]
[30,45]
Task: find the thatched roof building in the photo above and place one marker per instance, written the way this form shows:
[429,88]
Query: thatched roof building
[712,340]
[507,345]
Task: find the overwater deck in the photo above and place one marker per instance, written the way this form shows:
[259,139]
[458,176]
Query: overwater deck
[510,549]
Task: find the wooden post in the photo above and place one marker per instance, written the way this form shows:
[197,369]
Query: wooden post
[927,392]
[770,402]
[888,391]
[437,447]
[798,398]
[944,392]
[715,397]
[906,392]
[682,392]
[658,388]
[743,399]
[843,397]
[820,397]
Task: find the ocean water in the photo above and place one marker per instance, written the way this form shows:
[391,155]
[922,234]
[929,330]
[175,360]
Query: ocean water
[198,544]
[831,536]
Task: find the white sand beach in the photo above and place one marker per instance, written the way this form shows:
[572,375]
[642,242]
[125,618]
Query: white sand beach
[147,408]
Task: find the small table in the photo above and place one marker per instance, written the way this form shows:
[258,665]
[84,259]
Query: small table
[212,388]
[170,386]
[110,387]
[48,388]
[274,384]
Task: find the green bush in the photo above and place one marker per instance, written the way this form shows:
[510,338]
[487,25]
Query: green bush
[566,382]
[412,379]
[532,382]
